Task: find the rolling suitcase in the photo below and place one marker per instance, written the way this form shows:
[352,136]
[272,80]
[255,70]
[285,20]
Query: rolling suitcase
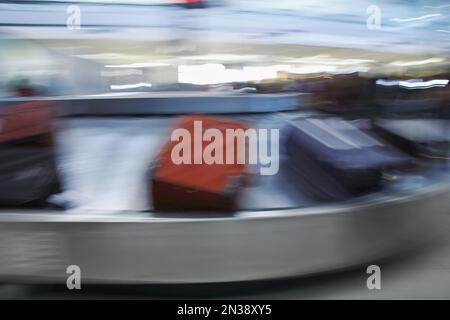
[27,176]
[335,160]
[27,122]
[425,138]
[198,186]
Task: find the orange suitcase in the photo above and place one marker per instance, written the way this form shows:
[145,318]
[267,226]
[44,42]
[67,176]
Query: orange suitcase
[199,186]
[28,121]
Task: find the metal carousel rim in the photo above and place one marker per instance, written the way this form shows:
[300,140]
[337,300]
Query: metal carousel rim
[100,216]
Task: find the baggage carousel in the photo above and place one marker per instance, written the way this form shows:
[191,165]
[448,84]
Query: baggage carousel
[112,233]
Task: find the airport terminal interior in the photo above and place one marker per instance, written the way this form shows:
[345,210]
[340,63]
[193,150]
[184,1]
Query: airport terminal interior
[225,148]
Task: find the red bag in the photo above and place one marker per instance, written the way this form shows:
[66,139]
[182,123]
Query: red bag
[198,186]
[27,121]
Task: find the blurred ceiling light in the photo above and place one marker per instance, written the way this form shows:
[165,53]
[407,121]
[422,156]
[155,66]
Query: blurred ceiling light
[121,73]
[325,59]
[264,72]
[326,68]
[137,65]
[351,70]
[427,16]
[414,83]
[106,56]
[210,73]
[424,84]
[214,73]
[416,63]
[130,86]
[225,57]
[387,83]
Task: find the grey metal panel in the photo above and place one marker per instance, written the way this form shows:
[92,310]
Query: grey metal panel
[173,103]
[248,246]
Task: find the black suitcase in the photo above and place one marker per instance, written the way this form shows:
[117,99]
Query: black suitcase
[335,159]
[425,138]
[28,176]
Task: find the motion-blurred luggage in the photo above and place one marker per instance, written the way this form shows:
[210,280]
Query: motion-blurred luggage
[418,95]
[198,186]
[27,175]
[27,122]
[349,90]
[335,160]
[346,94]
[427,138]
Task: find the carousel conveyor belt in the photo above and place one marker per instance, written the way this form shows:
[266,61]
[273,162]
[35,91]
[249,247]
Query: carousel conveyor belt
[113,234]
[136,247]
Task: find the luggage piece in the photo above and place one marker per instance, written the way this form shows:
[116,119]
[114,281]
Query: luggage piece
[346,91]
[428,138]
[335,159]
[27,175]
[27,122]
[197,186]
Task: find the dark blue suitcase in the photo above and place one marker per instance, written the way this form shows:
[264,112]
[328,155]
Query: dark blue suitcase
[28,176]
[424,138]
[335,159]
